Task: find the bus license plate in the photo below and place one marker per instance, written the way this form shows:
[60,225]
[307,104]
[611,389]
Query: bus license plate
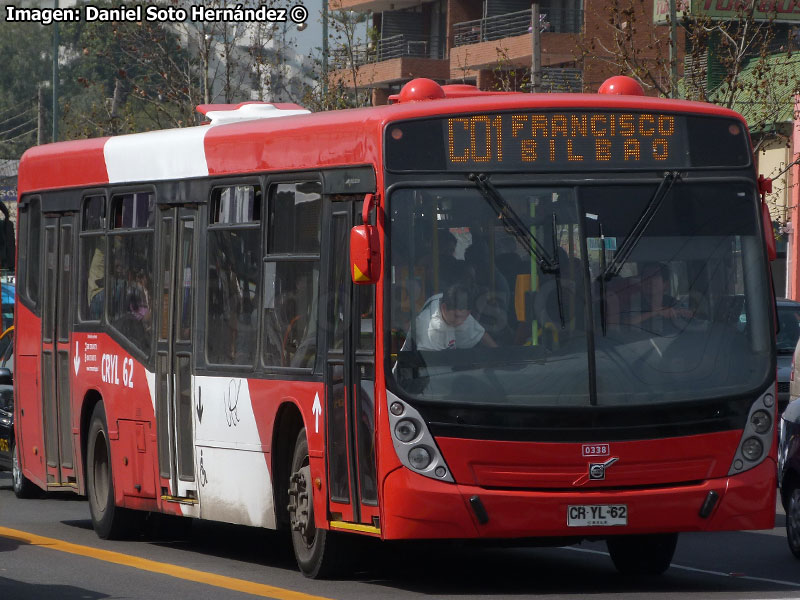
[594,515]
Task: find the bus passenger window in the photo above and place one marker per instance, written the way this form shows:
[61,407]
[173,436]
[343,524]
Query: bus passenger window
[130,268]
[234,269]
[30,252]
[291,281]
[93,252]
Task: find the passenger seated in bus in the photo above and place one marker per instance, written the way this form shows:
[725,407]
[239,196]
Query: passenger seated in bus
[557,305]
[96,283]
[491,291]
[139,299]
[656,301]
[446,323]
[225,305]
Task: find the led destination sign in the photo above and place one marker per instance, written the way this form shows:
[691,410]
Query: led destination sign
[565,140]
[555,138]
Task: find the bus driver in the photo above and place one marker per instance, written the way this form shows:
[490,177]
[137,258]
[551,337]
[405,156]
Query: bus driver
[445,322]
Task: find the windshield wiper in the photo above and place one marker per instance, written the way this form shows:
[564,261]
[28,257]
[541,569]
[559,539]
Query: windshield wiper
[636,233]
[602,280]
[513,224]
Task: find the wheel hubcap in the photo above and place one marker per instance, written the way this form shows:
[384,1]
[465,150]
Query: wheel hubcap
[301,511]
[100,472]
[16,474]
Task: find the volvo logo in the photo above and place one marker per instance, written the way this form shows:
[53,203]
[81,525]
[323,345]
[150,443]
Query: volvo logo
[597,471]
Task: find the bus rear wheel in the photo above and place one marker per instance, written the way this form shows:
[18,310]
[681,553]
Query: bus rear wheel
[23,488]
[318,551]
[642,554]
[109,520]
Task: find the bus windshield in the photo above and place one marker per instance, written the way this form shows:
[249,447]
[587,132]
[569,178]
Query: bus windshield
[676,314]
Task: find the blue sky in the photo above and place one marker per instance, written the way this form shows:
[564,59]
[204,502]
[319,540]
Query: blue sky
[311,38]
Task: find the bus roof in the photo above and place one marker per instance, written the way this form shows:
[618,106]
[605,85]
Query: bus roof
[297,142]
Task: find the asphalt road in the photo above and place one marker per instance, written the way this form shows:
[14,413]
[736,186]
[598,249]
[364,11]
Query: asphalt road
[49,551]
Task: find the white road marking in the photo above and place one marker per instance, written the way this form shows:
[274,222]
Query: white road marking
[695,570]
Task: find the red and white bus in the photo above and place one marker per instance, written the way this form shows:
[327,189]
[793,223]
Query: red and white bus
[464,315]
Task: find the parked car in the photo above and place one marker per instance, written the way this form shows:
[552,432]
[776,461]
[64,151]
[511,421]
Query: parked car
[7,291]
[789,473]
[786,344]
[8,450]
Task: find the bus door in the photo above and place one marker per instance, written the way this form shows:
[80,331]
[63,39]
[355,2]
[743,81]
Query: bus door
[176,273]
[56,352]
[349,378]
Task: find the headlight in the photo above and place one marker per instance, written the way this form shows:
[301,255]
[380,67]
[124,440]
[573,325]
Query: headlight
[406,430]
[419,457]
[761,421]
[752,448]
[413,443]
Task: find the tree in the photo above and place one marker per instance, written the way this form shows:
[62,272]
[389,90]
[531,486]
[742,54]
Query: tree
[124,77]
[340,77]
[23,73]
[743,61]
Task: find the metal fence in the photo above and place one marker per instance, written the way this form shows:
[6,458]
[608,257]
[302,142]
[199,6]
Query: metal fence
[398,46]
[516,23]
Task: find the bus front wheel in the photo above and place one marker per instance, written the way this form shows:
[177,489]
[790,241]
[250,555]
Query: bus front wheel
[642,554]
[23,488]
[317,551]
[109,521]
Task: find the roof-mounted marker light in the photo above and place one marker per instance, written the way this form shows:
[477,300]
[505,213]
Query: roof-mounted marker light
[220,114]
[622,86]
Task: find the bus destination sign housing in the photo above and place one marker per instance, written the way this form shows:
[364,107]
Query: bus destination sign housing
[565,141]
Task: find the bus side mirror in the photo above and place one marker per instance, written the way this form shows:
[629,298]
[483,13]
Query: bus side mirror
[365,256]
[769,236]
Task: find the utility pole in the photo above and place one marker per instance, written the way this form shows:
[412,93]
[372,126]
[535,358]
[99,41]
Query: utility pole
[40,120]
[536,50]
[55,76]
[325,48]
[673,49]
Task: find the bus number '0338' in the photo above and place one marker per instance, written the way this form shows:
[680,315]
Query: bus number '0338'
[595,449]
[110,370]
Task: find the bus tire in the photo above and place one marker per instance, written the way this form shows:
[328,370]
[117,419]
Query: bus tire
[23,487]
[642,554]
[318,551]
[109,520]
[793,521]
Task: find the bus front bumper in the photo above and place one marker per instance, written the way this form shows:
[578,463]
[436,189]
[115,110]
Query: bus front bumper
[416,507]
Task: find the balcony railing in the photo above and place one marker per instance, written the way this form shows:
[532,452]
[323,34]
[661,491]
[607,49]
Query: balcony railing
[398,46]
[516,23]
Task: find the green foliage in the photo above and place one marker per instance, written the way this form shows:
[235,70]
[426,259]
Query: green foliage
[22,74]
[340,83]
[124,77]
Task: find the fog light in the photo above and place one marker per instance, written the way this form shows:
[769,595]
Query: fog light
[419,457]
[761,421]
[752,448]
[396,408]
[406,430]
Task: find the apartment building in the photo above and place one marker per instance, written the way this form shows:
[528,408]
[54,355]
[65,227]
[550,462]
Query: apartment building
[488,43]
